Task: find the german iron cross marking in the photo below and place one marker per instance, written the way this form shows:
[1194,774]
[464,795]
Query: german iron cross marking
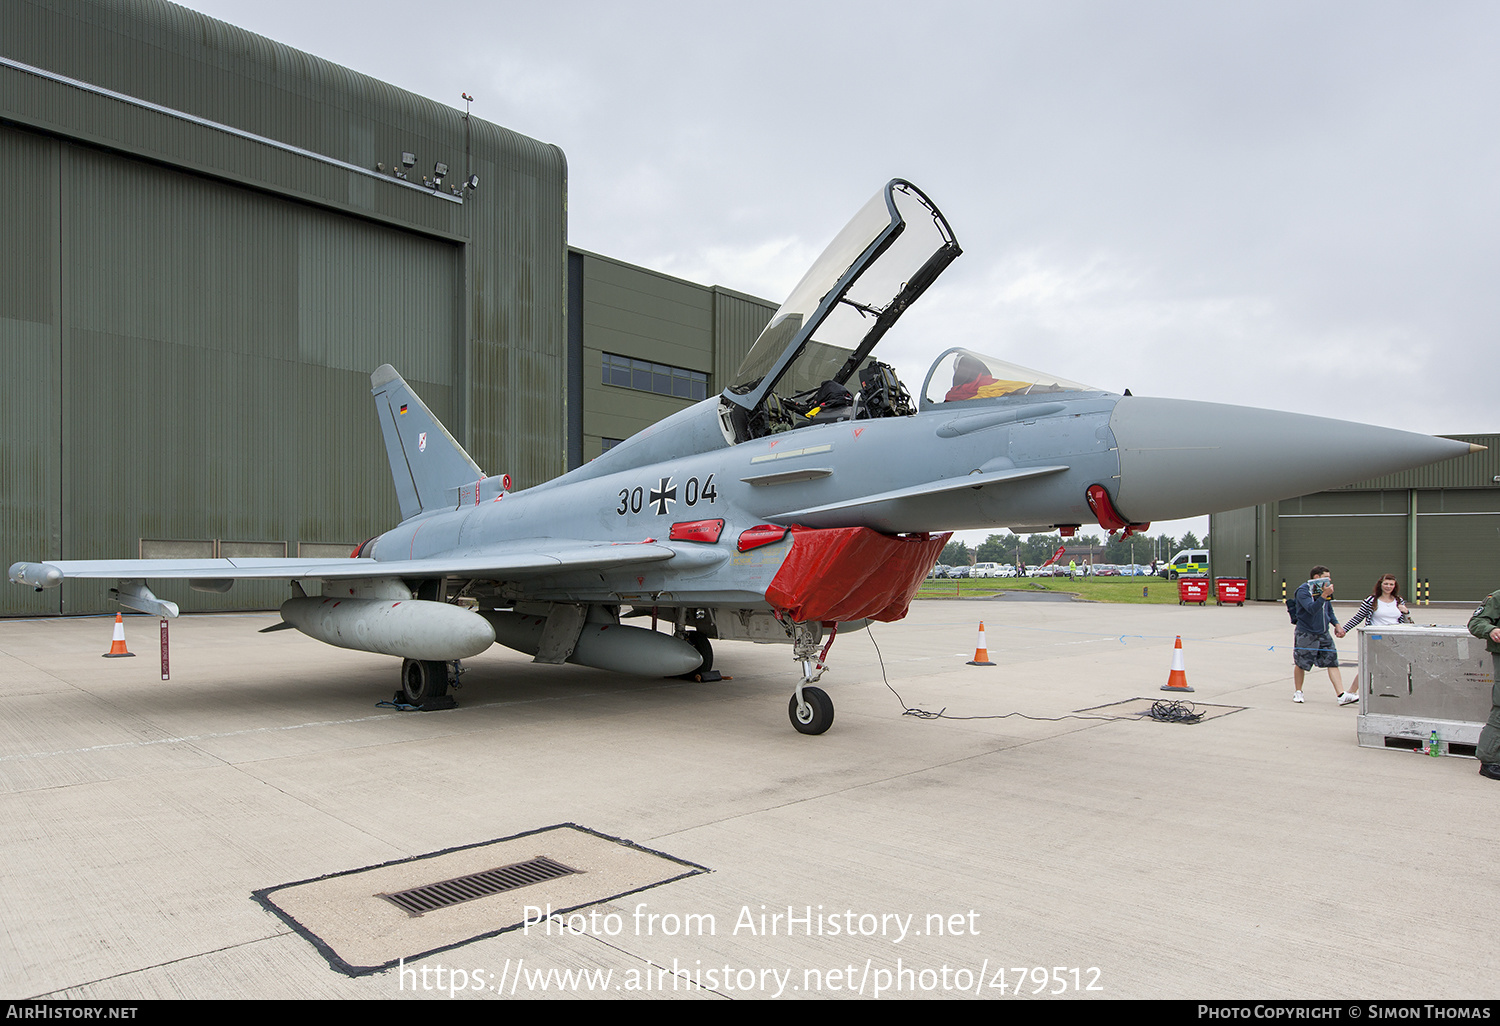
[664,494]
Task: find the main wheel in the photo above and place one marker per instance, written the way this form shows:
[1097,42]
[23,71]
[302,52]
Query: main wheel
[816,716]
[699,640]
[422,680]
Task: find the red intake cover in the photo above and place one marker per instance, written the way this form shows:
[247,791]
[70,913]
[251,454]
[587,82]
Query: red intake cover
[1104,510]
[697,530]
[755,537]
[850,573]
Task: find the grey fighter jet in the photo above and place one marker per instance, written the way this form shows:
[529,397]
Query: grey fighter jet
[806,499]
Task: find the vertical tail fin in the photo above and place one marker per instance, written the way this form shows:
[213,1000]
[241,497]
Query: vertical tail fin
[427,463]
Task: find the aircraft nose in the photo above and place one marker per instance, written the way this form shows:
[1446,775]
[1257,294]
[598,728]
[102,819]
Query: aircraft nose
[1180,458]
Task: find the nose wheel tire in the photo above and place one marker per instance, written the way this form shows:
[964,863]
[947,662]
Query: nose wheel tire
[815,715]
[423,680]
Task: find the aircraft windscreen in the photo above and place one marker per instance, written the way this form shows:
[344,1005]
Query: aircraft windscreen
[887,275]
[962,374]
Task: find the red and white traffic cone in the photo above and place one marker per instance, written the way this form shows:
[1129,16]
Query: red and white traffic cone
[117,646]
[981,654]
[1177,679]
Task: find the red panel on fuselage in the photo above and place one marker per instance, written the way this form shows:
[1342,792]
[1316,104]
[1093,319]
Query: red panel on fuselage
[852,573]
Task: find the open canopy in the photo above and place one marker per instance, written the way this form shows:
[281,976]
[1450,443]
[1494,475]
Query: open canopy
[808,356]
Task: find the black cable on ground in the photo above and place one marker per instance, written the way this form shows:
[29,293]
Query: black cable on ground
[942,714]
[1175,712]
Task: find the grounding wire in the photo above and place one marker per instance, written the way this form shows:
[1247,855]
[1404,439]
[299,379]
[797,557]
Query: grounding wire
[942,714]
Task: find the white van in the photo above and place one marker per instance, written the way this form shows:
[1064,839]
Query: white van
[1186,563]
[985,570]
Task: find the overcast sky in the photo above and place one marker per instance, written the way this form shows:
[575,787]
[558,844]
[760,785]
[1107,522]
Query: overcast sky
[1286,205]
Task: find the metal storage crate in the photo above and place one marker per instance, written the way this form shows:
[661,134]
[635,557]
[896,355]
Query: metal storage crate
[1416,680]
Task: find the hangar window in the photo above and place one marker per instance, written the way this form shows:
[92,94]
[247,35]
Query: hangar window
[645,376]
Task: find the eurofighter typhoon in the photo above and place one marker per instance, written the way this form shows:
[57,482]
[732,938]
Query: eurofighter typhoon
[810,497]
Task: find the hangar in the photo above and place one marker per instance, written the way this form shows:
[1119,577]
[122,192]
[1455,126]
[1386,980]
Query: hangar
[207,242]
[1438,524]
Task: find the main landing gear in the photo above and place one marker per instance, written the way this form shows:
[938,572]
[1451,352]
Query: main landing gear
[423,680]
[705,673]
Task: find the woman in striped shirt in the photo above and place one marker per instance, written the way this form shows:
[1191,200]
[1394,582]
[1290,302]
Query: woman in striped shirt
[1383,607]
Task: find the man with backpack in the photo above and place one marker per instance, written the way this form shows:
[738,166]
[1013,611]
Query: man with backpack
[1311,609]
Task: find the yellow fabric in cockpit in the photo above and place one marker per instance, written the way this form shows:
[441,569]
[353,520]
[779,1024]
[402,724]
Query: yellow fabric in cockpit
[995,388]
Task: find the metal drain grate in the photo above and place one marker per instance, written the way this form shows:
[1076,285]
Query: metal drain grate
[430,897]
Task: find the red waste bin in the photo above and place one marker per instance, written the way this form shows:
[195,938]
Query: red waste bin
[1192,589]
[1231,589]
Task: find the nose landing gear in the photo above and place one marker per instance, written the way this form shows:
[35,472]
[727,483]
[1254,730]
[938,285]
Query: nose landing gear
[811,710]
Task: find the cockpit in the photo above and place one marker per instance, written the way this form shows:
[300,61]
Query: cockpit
[812,363]
[962,375]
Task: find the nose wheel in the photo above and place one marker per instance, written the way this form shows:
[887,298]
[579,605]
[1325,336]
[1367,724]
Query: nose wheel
[811,710]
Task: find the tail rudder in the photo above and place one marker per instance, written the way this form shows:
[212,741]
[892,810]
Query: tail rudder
[427,463]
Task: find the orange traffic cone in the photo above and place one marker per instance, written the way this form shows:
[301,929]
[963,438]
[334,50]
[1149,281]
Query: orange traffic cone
[981,654]
[1177,679]
[117,646]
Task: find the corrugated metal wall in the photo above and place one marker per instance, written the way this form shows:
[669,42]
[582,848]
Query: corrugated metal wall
[214,356]
[738,321]
[194,293]
[1232,538]
[30,359]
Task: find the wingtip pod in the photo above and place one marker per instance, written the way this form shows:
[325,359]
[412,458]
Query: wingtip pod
[1180,458]
[36,575]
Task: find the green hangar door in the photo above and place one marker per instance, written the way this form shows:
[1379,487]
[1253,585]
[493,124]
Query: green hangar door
[206,350]
[1358,535]
[1361,535]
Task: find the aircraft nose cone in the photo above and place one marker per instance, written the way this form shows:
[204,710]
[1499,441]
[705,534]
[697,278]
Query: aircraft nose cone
[1180,458]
